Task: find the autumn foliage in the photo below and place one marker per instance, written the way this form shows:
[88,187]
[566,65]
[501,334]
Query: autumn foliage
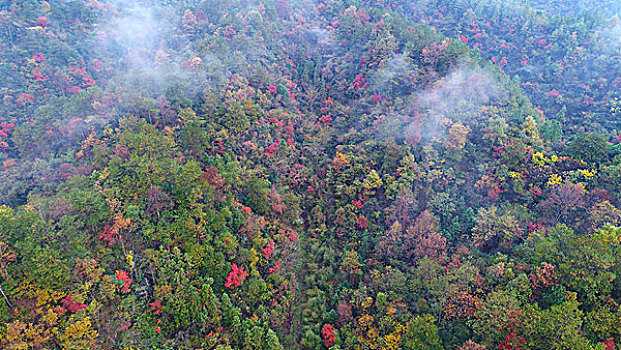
[310,174]
[235,277]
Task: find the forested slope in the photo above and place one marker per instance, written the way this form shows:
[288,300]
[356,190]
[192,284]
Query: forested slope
[309,175]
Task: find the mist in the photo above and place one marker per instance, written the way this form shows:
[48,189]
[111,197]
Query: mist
[310,174]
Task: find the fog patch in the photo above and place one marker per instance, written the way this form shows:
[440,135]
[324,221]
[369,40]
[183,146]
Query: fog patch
[607,39]
[457,97]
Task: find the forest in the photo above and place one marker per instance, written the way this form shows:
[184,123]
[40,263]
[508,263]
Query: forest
[310,174]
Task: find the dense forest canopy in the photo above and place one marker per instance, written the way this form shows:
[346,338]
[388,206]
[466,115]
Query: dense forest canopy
[310,174]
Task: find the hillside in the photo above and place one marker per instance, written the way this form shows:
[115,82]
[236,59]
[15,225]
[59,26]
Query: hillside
[300,174]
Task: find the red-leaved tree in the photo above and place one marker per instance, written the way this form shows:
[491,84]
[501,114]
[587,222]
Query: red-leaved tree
[235,277]
[123,278]
[71,305]
[328,335]
[563,203]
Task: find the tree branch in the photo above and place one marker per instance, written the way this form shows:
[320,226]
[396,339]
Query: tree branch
[6,298]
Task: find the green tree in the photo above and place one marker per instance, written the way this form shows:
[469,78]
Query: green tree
[421,334]
[591,148]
